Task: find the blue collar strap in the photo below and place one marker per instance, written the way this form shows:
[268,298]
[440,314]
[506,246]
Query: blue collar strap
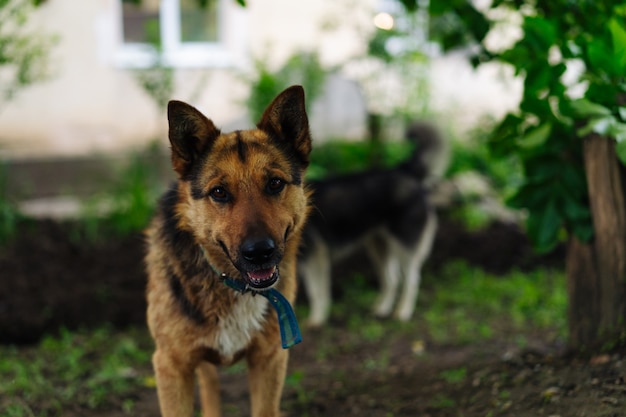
[289,330]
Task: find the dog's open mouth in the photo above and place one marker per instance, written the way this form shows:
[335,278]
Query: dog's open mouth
[262,278]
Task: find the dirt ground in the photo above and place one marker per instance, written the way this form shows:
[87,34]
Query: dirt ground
[50,278]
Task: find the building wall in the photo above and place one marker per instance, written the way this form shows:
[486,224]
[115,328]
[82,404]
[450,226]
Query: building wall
[92,104]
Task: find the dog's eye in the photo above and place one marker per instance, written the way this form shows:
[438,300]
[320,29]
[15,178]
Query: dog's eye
[219,194]
[275,185]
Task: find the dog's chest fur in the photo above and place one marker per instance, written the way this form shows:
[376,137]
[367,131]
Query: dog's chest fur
[236,329]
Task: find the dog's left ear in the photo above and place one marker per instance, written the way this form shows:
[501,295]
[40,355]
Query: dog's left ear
[286,120]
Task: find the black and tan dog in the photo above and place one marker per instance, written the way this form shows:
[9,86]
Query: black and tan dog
[236,211]
[389,213]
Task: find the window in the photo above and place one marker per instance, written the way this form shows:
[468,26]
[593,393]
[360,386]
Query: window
[180,33]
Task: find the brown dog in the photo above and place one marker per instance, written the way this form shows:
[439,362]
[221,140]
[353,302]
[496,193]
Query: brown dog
[236,211]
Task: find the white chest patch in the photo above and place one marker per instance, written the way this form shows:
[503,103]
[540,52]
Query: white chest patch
[236,329]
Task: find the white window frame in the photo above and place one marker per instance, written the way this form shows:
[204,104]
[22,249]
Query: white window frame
[175,53]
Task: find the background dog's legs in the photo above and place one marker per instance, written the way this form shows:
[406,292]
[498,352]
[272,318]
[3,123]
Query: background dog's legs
[412,262]
[267,367]
[315,271]
[209,390]
[174,385]
[388,270]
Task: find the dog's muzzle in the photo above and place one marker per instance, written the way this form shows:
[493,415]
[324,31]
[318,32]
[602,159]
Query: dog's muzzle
[260,258]
[263,278]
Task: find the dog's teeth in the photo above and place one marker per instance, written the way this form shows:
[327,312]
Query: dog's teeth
[261,275]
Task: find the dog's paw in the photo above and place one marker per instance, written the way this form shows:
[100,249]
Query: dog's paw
[314,323]
[382,310]
[403,314]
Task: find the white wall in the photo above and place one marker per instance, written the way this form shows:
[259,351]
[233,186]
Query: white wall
[462,96]
[93,105]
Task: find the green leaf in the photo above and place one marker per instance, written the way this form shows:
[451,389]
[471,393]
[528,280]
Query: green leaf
[575,211]
[583,230]
[621,151]
[578,215]
[543,226]
[517,56]
[537,79]
[540,33]
[242,3]
[542,170]
[536,137]
[533,104]
[530,196]
[585,108]
[501,141]
[606,126]
[599,125]
[573,180]
[600,57]
[620,10]
[618,131]
[618,34]
[410,5]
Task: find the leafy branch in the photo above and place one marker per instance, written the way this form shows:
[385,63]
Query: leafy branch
[557,109]
[23,55]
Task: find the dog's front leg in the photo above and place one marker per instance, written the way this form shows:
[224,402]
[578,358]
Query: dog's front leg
[174,379]
[209,390]
[267,368]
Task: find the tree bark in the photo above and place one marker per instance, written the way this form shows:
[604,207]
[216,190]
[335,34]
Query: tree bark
[583,294]
[597,270]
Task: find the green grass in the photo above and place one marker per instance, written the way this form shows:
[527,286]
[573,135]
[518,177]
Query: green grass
[342,156]
[468,304]
[441,401]
[86,369]
[103,368]
[461,304]
[295,381]
[453,376]
[127,204]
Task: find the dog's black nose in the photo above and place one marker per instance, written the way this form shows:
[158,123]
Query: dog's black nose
[258,251]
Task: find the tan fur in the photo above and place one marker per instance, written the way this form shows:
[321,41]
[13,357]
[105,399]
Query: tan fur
[196,321]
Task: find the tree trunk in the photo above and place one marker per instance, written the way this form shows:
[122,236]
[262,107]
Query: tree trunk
[597,270]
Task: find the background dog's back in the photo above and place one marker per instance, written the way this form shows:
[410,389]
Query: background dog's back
[387,211]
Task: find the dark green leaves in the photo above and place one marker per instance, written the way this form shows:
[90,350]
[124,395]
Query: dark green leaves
[539,33]
[545,133]
[555,196]
[601,120]
[456,23]
[618,35]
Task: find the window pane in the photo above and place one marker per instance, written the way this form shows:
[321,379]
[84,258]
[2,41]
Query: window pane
[140,21]
[198,20]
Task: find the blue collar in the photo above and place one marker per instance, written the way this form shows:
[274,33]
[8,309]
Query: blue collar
[289,330]
[287,322]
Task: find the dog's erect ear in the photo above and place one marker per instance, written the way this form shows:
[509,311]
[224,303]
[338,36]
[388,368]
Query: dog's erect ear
[190,133]
[286,120]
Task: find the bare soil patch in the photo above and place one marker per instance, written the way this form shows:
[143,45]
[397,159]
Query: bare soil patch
[51,278]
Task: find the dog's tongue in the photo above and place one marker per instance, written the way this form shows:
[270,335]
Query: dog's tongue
[262,274]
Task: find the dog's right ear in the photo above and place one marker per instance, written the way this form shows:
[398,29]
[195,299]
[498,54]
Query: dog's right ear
[285,119]
[191,134]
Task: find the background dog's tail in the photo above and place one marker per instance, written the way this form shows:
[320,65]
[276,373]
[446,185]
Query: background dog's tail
[429,159]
